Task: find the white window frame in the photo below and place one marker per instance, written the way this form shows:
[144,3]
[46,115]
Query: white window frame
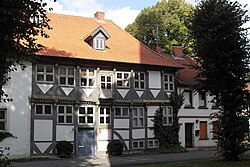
[105,115]
[168,85]
[167,115]
[202,102]
[45,73]
[99,43]
[88,77]
[66,76]
[65,114]
[86,115]
[188,101]
[106,82]
[125,81]
[138,116]
[4,120]
[43,109]
[155,143]
[140,81]
[138,144]
[121,111]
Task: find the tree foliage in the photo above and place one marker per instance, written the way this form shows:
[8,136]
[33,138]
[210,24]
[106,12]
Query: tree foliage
[168,21]
[21,21]
[222,52]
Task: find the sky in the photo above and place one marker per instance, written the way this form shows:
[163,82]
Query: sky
[121,12]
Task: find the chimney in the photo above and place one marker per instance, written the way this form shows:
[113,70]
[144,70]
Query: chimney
[99,17]
[177,51]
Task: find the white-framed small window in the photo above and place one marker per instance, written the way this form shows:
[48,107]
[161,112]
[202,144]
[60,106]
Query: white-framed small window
[168,82]
[121,111]
[188,98]
[122,79]
[66,76]
[64,114]
[45,73]
[154,143]
[86,115]
[139,80]
[104,115]
[88,77]
[138,144]
[106,82]
[43,109]
[138,117]
[202,99]
[167,115]
[3,120]
[99,43]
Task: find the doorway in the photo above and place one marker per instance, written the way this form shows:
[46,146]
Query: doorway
[86,142]
[188,135]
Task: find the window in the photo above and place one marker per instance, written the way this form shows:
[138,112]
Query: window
[139,78]
[169,82]
[3,119]
[43,109]
[44,73]
[138,117]
[215,130]
[99,43]
[104,115]
[87,77]
[138,144]
[167,115]
[203,130]
[153,144]
[65,114]
[66,76]
[122,79]
[188,101]
[106,82]
[121,111]
[86,115]
[202,99]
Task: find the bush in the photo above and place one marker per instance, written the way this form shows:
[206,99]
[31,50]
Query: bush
[115,147]
[64,149]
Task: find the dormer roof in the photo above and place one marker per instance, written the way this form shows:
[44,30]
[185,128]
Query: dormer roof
[100,29]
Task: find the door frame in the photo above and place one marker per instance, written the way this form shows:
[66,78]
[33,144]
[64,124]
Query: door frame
[76,139]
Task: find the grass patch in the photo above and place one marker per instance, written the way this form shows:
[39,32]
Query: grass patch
[203,163]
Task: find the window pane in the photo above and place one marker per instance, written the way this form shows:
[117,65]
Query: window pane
[2,114]
[81,110]
[165,120]
[166,78]
[118,111]
[108,79]
[61,109]
[125,111]
[91,73]
[136,76]
[83,81]
[141,144]
[119,75]
[135,144]
[62,71]
[119,83]
[141,111]
[49,77]
[150,144]
[107,120]
[103,78]
[68,119]
[60,119]
[101,110]
[90,110]
[90,119]
[103,86]
[166,86]
[83,72]
[171,86]
[142,85]
[68,109]
[107,111]
[141,121]
[40,77]
[135,112]
[126,75]
[136,84]
[63,80]
[170,78]
[126,83]
[47,109]
[135,122]
[71,81]
[170,120]
[49,69]
[102,120]
[39,109]
[82,119]
[2,125]
[70,71]
[141,76]
[91,82]
[40,68]
[108,85]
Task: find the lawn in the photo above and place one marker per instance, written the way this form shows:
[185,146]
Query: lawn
[204,163]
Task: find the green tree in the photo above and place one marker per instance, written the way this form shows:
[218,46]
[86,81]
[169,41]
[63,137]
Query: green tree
[222,52]
[165,24]
[21,21]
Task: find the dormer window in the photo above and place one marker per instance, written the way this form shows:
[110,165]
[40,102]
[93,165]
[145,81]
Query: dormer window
[97,39]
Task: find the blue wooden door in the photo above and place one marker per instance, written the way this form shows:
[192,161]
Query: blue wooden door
[86,142]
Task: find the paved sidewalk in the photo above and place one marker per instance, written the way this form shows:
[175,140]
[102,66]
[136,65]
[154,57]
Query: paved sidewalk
[119,161]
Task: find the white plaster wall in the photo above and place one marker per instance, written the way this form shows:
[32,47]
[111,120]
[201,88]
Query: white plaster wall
[124,134]
[64,133]
[150,122]
[154,79]
[138,133]
[43,130]
[18,112]
[104,134]
[102,145]
[152,110]
[121,123]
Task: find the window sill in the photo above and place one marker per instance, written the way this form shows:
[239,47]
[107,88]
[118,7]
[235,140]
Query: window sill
[202,107]
[188,107]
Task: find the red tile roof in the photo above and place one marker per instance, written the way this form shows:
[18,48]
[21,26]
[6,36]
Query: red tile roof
[67,40]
